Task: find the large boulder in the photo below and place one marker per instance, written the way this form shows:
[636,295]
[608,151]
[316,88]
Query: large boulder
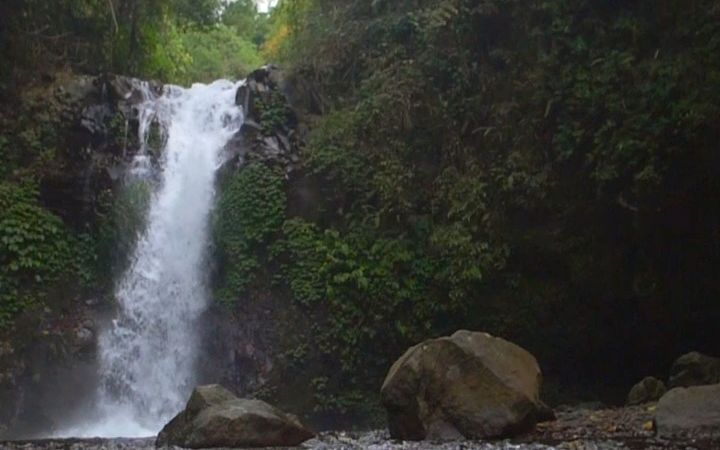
[695,369]
[214,417]
[650,389]
[470,385]
[692,411]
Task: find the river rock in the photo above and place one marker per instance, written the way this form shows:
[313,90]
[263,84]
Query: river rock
[214,417]
[689,411]
[694,369]
[84,337]
[470,385]
[650,389]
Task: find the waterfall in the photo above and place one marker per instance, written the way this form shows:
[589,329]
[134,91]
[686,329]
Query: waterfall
[147,357]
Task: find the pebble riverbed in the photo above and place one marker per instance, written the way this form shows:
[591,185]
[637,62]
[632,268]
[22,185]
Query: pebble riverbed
[628,428]
[336,442]
[355,441]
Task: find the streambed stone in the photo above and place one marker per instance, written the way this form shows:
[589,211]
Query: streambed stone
[650,389]
[214,417]
[470,385]
[689,411]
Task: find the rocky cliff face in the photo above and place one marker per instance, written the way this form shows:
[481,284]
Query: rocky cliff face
[47,353]
[244,341]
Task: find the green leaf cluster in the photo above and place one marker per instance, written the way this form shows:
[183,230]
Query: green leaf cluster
[176,41]
[249,214]
[36,250]
[272,110]
[217,52]
[498,165]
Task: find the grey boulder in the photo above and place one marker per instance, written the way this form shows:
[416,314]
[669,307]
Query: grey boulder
[214,417]
[693,411]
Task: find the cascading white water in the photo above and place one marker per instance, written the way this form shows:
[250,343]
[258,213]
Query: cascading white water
[147,357]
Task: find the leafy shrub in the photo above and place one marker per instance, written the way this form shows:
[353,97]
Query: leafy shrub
[249,213]
[514,167]
[217,52]
[273,112]
[35,250]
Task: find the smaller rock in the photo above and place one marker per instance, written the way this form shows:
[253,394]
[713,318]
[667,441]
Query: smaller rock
[130,89]
[691,411]
[84,337]
[276,76]
[94,118]
[648,390]
[694,369]
[271,146]
[250,124]
[214,417]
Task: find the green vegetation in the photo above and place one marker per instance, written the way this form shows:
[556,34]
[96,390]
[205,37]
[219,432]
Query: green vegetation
[273,112]
[249,214]
[178,41]
[530,169]
[35,249]
[217,52]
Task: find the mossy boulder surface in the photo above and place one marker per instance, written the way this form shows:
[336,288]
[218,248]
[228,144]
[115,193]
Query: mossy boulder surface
[649,389]
[695,369]
[470,385]
[214,417]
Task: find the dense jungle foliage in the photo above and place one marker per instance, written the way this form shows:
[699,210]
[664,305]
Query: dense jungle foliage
[178,41]
[544,170]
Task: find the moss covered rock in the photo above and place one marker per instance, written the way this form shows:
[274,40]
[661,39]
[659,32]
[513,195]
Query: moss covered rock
[695,369]
[470,385]
[650,389]
[214,417]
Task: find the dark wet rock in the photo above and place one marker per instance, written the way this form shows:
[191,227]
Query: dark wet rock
[120,87]
[126,89]
[694,369]
[689,411]
[268,134]
[84,338]
[650,389]
[214,417]
[95,117]
[469,385]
